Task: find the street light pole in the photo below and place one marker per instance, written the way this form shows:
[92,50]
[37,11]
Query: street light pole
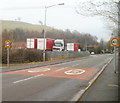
[44,31]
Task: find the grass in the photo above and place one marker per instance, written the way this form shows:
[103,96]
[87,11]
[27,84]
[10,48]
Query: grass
[11,25]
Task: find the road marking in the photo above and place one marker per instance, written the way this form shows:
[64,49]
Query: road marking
[28,78]
[61,69]
[39,70]
[112,85]
[64,72]
[74,71]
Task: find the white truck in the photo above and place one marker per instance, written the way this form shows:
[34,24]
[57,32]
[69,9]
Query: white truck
[59,45]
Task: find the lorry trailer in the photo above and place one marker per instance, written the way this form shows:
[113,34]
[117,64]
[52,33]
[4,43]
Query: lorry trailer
[46,43]
[72,47]
[32,43]
[40,43]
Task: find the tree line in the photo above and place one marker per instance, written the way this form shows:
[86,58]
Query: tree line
[20,35]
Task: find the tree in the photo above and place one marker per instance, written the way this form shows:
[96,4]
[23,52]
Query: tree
[109,9]
[105,8]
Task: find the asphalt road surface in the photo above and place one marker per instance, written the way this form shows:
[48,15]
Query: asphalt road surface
[59,82]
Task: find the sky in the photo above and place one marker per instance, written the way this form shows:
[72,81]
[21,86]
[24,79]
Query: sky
[59,16]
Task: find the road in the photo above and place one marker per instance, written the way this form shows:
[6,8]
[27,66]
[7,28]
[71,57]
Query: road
[59,82]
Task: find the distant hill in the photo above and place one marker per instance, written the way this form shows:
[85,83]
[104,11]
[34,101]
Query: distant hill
[11,25]
[20,31]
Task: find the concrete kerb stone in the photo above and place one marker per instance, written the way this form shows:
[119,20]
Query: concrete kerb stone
[78,96]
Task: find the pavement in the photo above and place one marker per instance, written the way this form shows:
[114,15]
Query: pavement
[105,88]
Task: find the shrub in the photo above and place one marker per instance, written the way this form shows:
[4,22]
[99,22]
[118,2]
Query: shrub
[22,56]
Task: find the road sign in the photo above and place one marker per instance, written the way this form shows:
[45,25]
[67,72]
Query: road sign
[115,41]
[7,44]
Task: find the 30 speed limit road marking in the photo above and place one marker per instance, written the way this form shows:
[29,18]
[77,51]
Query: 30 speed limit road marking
[59,72]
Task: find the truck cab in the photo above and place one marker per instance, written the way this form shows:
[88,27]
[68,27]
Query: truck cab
[58,45]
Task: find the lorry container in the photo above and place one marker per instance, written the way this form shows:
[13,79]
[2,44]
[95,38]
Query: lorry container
[72,47]
[32,43]
[59,45]
[47,42]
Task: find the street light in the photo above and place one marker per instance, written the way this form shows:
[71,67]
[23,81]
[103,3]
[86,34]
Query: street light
[45,26]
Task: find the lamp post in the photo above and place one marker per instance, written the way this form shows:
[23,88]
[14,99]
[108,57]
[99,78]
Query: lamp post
[44,32]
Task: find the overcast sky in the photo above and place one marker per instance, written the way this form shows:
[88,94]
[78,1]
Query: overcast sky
[60,16]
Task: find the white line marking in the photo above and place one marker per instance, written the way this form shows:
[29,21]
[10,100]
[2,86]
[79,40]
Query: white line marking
[61,69]
[39,70]
[28,78]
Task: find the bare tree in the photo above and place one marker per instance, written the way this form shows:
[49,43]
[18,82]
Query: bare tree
[106,8]
[109,9]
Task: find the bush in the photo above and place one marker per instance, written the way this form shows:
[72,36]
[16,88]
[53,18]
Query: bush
[33,55]
[22,56]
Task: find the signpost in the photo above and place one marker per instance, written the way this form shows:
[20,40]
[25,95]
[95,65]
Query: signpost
[8,45]
[114,42]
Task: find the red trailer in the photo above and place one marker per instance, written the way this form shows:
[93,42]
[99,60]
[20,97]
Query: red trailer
[72,47]
[47,43]
[75,47]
